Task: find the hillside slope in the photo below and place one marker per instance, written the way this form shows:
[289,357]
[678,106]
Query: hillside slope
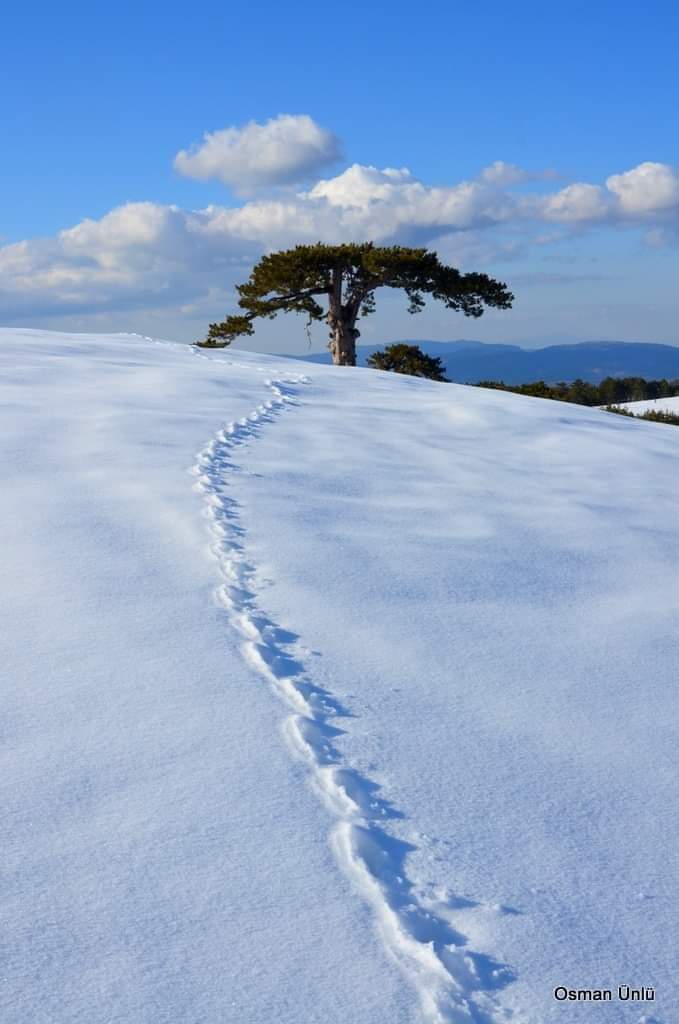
[336,695]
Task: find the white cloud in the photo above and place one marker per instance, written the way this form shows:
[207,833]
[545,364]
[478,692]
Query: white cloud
[648,188]
[636,195]
[360,185]
[389,203]
[144,256]
[285,150]
[578,202]
[138,255]
[503,174]
[148,255]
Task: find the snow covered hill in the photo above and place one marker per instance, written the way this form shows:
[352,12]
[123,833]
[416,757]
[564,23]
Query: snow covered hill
[653,405]
[330,695]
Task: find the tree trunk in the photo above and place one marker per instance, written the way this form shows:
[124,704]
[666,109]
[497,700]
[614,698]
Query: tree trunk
[342,324]
[343,337]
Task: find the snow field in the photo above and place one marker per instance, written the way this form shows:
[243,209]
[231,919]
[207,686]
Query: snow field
[466,602]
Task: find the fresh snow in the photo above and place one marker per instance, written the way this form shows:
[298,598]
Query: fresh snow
[332,695]
[652,405]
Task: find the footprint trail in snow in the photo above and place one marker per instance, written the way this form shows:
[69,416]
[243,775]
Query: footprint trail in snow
[455,985]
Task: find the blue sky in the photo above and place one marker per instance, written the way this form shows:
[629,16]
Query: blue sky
[98,100]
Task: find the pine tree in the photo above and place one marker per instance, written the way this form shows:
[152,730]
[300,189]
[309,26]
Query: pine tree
[410,359]
[346,277]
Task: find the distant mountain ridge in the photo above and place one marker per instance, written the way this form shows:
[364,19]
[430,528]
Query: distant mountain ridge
[472,361]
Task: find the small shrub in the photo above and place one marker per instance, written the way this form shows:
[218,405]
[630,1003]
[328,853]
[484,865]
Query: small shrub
[408,359]
[660,416]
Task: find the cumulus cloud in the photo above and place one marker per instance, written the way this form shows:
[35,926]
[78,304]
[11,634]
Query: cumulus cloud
[359,185]
[391,204]
[576,203]
[639,194]
[285,150]
[145,253]
[138,255]
[648,188]
[150,256]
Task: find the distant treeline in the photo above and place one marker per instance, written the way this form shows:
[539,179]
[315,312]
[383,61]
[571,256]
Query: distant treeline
[611,390]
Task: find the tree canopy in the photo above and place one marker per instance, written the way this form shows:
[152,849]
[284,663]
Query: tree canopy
[347,277]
